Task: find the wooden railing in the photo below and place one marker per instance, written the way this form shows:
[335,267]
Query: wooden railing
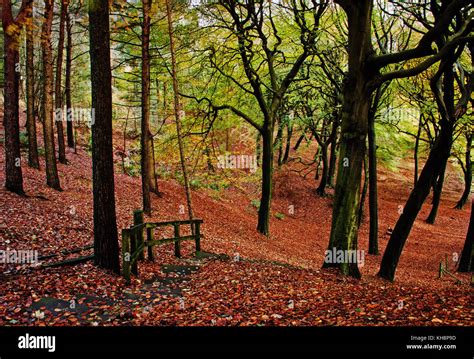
[134,241]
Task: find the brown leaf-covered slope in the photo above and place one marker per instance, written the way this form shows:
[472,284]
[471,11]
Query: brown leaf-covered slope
[223,291]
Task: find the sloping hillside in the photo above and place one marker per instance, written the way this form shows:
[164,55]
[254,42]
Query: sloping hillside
[280,273]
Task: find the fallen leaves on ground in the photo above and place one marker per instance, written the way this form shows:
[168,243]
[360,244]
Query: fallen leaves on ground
[276,280]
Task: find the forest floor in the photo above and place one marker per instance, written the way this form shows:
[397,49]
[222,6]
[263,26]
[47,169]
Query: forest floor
[243,278]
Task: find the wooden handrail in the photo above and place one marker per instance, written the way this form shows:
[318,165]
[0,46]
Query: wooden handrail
[152,225]
[134,244]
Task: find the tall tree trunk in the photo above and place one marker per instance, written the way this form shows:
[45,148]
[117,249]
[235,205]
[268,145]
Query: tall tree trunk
[298,142]
[165,99]
[106,249]
[289,134]
[466,263]
[58,96]
[263,225]
[321,190]
[148,160]
[52,178]
[438,189]
[438,155]
[258,149]
[332,162]
[363,195]
[467,173]
[332,143]
[318,156]
[146,155]
[436,162]
[152,174]
[69,122]
[33,160]
[417,146]
[373,197]
[11,68]
[207,153]
[448,97]
[177,109]
[279,141]
[356,104]
[124,143]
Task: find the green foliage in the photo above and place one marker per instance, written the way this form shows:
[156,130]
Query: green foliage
[215,182]
[132,168]
[195,184]
[41,151]
[24,139]
[392,147]
[209,65]
[89,144]
[219,184]
[279,215]
[255,203]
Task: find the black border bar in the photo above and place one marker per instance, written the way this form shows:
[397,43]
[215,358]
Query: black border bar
[240,339]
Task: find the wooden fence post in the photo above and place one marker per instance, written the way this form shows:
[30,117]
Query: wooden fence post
[149,238]
[137,220]
[177,251]
[198,236]
[133,250]
[126,255]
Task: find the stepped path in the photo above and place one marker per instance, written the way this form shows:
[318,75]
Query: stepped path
[87,308]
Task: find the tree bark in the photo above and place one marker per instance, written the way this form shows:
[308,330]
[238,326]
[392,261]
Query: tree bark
[106,249]
[466,263]
[321,190]
[11,32]
[356,104]
[467,173]
[33,159]
[447,114]
[363,194]
[177,111]
[146,155]
[263,225]
[69,122]
[437,159]
[298,142]
[289,134]
[258,149]
[318,156]
[152,169]
[373,197]
[58,96]
[279,141]
[52,178]
[438,189]
[438,155]
[417,146]
[332,161]
[324,141]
